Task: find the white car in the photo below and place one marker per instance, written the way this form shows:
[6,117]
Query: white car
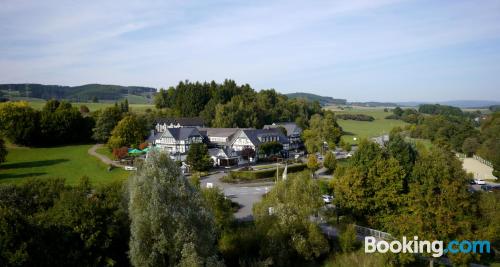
[479,182]
[327,199]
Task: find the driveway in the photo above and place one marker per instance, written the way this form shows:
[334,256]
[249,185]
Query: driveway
[244,194]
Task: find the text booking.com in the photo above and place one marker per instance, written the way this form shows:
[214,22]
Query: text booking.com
[435,248]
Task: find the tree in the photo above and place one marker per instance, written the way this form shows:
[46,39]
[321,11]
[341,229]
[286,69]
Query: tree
[106,121]
[19,122]
[438,179]
[398,111]
[470,145]
[270,148]
[129,132]
[169,222]
[283,219]
[322,129]
[370,188]
[312,163]
[3,151]
[61,123]
[198,157]
[124,106]
[95,99]
[330,162]
[404,152]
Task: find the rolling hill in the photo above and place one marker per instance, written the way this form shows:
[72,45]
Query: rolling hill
[81,93]
[323,100]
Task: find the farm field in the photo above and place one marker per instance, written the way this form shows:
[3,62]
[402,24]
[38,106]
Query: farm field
[140,108]
[366,129]
[69,162]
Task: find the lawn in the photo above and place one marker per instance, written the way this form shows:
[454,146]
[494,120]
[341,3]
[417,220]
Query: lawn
[366,129]
[104,150]
[69,162]
[140,108]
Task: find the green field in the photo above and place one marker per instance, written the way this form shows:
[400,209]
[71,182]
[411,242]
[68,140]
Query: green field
[140,108]
[69,162]
[366,129]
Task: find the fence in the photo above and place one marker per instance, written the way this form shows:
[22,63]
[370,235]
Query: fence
[478,158]
[364,231]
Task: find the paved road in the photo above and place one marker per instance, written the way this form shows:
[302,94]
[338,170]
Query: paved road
[106,160]
[244,194]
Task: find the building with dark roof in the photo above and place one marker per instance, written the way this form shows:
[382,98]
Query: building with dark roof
[293,132]
[164,123]
[176,141]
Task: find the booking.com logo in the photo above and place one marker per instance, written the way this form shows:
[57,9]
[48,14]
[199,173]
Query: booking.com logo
[436,248]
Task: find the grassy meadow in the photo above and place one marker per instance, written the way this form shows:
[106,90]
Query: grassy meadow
[366,129]
[140,108]
[69,162]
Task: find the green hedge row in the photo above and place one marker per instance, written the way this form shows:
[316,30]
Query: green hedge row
[262,174]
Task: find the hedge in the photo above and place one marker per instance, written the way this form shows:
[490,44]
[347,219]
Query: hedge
[262,174]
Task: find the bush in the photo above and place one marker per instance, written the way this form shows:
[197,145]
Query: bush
[393,117]
[120,153]
[235,176]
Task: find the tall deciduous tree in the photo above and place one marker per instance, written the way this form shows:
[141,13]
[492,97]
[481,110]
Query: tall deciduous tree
[438,195]
[330,161]
[370,187]
[19,122]
[283,218]
[169,224]
[130,131]
[106,121]
[322,129]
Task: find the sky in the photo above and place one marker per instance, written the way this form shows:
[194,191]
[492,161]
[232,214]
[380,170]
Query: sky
[373,50]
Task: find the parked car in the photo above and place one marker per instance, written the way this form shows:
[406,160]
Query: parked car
[327,199]
[479,181]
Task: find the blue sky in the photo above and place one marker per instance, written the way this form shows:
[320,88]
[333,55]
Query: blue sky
[380,50]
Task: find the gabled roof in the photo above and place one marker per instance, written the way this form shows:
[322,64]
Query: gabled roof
[182,133]
[290,127]
[255,135]
[183,121]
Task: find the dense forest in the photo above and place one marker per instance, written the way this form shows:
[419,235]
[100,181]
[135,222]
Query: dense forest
[231,105]
[83,93]
[456,130]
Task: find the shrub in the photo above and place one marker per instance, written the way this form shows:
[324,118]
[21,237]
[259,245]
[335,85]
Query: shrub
[235,176]
[120,153]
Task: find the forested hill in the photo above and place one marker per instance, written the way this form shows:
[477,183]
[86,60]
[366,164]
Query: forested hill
[323,100]
[85,92]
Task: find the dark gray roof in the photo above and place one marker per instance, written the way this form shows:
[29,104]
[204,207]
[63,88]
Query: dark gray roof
[182,133]
[153,137]
[255,134]
[183,121]
[289,126]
